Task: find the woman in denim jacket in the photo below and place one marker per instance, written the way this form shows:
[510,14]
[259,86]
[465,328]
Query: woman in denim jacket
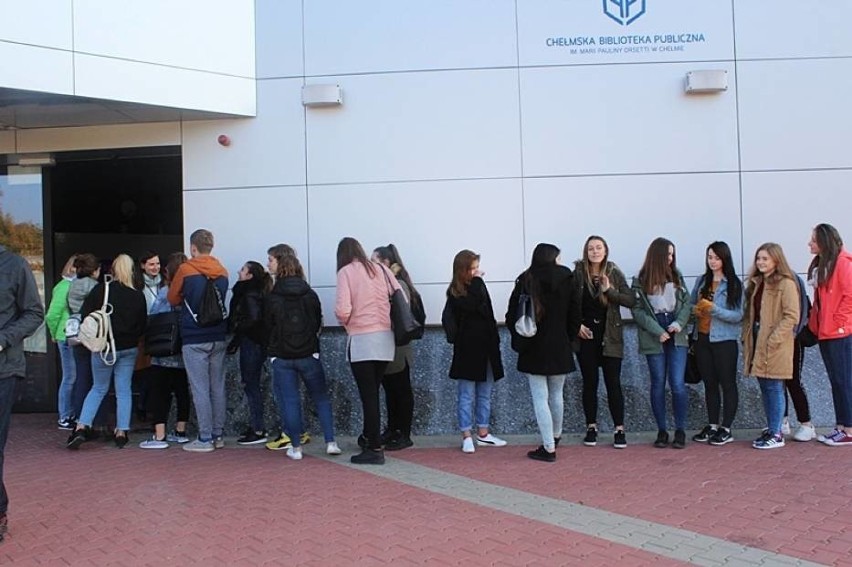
[718,300]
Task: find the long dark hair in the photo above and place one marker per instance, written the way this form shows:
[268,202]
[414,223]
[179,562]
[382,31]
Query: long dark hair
[543,255]
[172,264]
[390,254]
[258,275]
[656,271]
[350,250]
[830,244]
[735,286]
[461,272]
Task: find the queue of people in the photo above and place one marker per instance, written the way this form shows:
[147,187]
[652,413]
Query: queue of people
[559,319]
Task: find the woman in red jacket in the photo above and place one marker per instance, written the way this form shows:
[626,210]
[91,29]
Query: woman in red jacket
[831,321]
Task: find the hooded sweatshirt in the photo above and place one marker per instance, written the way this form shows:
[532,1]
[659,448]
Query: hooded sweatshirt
[188,288]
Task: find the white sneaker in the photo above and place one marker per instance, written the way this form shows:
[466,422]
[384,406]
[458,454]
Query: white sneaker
[153,443]
[785,427]
[295,453]
[468,446]
[490,441]
[331,448]
[805,433]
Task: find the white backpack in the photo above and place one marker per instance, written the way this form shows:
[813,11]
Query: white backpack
[96,330]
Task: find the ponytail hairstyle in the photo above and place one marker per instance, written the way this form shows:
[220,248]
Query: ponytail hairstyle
[390,254]
[830,244]
[735,286]
[259,275]
[350,250]
[543,255]
[461,273]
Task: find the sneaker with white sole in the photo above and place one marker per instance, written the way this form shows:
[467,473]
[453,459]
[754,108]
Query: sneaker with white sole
[331,448]
[218,442]
[295,453]
[177,437]
[199,446]
[805,433]
[490,441]
[841,440]
[785,427]
[769,442]
[468,446]
[154,443]
[828,436]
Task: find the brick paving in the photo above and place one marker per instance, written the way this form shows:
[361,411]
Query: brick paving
[249,506]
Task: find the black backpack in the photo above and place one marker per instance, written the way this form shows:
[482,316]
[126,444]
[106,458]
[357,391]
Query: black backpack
[299,328]
[211,310]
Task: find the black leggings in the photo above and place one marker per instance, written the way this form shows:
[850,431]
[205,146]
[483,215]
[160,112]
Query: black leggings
[591,358]
[400,400]
[794,387]
[368,375]
[717,364]
[163,381]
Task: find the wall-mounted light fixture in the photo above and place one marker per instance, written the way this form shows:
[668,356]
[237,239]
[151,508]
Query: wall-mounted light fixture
[707,81]
[317,96]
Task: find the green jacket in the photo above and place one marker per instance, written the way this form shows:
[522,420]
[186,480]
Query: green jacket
[618,295]
[57,312]
[646,321]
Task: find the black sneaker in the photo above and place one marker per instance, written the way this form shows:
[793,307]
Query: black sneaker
[722,437]
[120,440]
[368,457]
[541,454]
[66,424]
[398,443]
[679,439]
[252,437]
[591,438]
[77,438]
[662,440]
[619,440]
[705,434]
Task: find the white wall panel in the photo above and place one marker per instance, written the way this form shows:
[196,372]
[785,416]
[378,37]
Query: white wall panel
[210,35]
[388,35]
[414,126]
[630,211]
[246,222]
[560,32]
[116,79]
[793,29]
[784,207]
[279,38]
[625,119]
[99,137]
[792,113]
[36,69]
[269,150]
[37,22]
[428,221]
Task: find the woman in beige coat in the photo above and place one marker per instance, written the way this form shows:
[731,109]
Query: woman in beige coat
[771,314]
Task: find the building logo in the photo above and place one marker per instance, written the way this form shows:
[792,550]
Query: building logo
[625,12]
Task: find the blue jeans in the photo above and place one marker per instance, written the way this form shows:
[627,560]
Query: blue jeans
[774,399]
[7,398]
[288,395]
[478,395]
[547,401]
[102,374]
[83,383]
[252,357]
[69,376]
[837,357]
[205,370]
[668,365]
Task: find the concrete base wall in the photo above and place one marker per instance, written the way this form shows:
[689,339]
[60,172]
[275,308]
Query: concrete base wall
[512,412]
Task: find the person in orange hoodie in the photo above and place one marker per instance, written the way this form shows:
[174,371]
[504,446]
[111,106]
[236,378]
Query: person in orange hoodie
[203,344]
[831,321]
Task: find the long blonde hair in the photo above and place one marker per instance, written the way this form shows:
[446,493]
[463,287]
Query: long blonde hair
[782,267]
[122,270]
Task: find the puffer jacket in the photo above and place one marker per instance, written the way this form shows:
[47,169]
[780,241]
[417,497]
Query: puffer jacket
[772,355]
[246,312]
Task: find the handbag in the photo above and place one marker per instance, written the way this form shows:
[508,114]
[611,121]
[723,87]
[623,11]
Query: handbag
[405,326]
[806,337]
[691,374]
[525,324]
[162,334]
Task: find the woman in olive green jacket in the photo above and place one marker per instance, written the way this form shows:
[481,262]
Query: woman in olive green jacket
[601,291]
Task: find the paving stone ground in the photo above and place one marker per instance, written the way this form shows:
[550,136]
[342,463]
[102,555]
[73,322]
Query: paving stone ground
[430,505]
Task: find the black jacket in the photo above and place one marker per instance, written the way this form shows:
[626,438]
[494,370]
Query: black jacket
[129,312]
[549,352]
[477,341]
[245,318]
[292,315]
